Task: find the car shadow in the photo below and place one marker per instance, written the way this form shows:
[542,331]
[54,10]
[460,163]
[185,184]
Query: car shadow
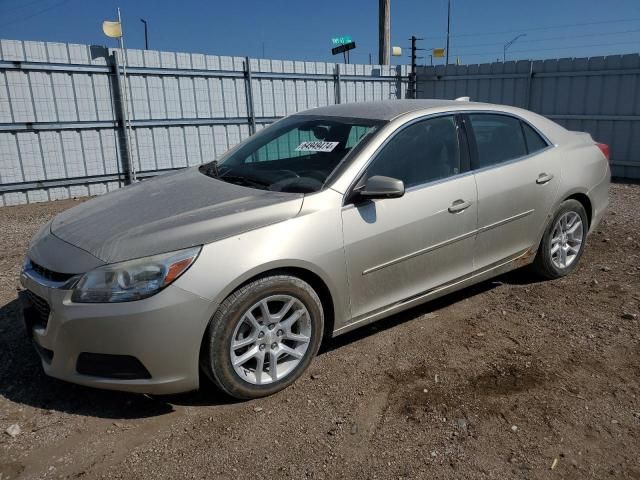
[23,381]
[392,321]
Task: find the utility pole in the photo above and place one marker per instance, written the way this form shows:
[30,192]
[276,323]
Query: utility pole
[413,76]
[384,32]
[146,37]
[448,30]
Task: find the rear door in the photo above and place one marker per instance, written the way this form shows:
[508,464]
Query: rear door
[517,180]
[397,248]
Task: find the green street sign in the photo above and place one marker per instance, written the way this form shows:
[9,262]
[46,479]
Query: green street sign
[341,40]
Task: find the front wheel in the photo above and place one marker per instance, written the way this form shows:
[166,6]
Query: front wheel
[263,336]
[563,241]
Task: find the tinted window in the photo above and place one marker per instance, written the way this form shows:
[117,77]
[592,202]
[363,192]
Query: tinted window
[423,152]
[499,138]
[534,141]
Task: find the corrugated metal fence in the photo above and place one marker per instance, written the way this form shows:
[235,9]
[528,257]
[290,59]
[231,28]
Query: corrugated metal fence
[61,128]
[599,95]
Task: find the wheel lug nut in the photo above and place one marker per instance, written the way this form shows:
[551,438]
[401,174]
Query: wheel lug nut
[272,326]
[262,347]
[260,334]
[279,333]
[274,345]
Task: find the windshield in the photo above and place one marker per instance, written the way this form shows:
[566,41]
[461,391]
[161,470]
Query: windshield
[296,154]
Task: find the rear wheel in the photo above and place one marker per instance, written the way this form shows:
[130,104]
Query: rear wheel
[263,336]
[563,241]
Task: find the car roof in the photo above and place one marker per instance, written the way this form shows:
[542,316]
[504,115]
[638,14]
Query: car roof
[387,110]
[381,110]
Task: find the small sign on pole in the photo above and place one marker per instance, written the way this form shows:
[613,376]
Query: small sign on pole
[344,49]
[337,41]
[438,52]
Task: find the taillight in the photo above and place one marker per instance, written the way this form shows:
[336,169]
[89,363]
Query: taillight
[604,148]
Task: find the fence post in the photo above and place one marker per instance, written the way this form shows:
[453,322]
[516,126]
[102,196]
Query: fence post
[123,137]
[527,101]
[337,84]
[249,89]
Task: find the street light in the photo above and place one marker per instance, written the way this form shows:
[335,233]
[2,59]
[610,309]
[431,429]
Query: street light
[146,38]
[508,44]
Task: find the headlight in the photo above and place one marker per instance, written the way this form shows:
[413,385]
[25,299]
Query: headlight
[133,279]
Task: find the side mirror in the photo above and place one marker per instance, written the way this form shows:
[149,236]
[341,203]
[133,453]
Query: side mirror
[379,186]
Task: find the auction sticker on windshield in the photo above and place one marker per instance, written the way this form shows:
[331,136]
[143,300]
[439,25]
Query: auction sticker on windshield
[316,146]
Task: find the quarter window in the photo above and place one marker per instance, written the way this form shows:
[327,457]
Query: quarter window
[534,141]
[423,152]
[499,138]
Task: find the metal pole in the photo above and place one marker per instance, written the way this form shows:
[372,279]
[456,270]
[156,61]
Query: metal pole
[126,99]
[337,83]
[508,44]
[384,32]
[146,37]
[448,30]
[125,147]
[249,86]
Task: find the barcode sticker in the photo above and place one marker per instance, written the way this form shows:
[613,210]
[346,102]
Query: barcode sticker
[316,146]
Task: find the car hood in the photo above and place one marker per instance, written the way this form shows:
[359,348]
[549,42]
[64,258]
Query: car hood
[167,213]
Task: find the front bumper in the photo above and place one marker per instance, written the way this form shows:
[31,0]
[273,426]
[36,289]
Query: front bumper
[163,332]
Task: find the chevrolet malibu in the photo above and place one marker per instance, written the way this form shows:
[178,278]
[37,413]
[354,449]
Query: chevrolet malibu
[325,221]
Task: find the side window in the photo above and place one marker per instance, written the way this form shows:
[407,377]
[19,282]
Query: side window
[423,152]
[534,141]
[499,138]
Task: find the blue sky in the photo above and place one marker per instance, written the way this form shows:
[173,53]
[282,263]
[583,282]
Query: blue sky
[302,29]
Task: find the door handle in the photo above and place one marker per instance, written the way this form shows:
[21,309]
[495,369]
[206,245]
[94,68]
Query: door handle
[459,206]
[544,178]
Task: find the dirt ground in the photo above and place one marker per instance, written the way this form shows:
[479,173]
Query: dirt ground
[513,378]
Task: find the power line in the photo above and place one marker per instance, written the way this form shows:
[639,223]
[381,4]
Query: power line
[542,39]
[550,48]
[549,27]
[22,6]
[51,7]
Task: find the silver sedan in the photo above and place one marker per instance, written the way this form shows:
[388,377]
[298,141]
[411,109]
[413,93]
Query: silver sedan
[325,221]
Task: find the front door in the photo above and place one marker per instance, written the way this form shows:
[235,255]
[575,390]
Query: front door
[398,248]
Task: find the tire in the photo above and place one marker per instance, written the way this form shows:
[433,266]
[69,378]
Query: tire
[241,319]
[545,264]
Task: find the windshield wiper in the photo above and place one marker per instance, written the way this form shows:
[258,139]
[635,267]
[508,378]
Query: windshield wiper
[238,179]
[212,169]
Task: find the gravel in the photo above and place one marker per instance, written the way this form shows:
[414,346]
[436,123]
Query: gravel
[431,393]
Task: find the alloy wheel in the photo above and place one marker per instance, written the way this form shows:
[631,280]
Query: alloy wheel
[270,339]
[566,239]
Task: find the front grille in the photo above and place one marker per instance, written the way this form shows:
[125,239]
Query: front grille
[41,309]
[50,274]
